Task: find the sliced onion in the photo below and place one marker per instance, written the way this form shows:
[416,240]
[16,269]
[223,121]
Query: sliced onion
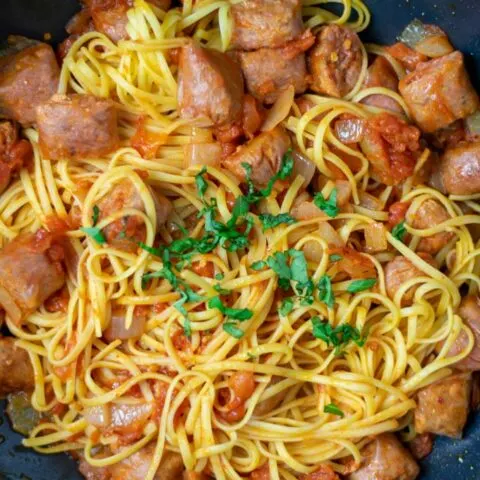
[281,108]
[202,154]
[435,46]
[313,251]
[163,208]
[303,166]
[124,416]
[99,416]
[370,202]
[376,237]
[350,130]
[306,211]
[330,235]
[117,330]
[344,192]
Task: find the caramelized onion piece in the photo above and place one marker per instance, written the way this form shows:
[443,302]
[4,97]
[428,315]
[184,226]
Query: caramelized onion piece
[208,154]
[281,108]
[303,166]
[376,237]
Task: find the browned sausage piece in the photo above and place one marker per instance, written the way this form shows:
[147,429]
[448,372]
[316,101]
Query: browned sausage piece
[422,445]
[269,71]
[460,169]
[428,215]
[110,17]
[28,77]
[136,467]
[387,459]
[335,61]
[439,92]
[381,74]
[15,153]
[469,310]
[323,472]
[270,404]
[265,23]
[264,153]
[210,85]
[16,372]
[401,270]
[121,232]
[30,271]
[76,127]
[443,406]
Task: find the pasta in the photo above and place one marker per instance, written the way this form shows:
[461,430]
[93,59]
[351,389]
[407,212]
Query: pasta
[328,399]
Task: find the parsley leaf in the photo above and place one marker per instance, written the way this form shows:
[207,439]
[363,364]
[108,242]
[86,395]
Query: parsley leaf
[399,231]
[222,291]
[187,328]
[325,291]
[153,250]
[360,285]
[96,214]
[219,276]
[333,409]
[339,336]
[271,221]
[328,206]
[233,330]
[286,307]
[335,257]
[257,266]
[240,314]
[95,233]
[201,183]
[298,266]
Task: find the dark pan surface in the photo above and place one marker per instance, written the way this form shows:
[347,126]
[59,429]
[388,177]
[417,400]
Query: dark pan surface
[460,18]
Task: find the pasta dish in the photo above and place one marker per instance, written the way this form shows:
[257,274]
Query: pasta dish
[237,242]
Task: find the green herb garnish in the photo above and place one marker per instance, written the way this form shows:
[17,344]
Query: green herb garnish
[222,291]
[329,207]
[286,307]
[335,257]
[399,231]
[96,214]
[233,330]
[333,409]
[338,337]
[95,233]
[272,221]
[240,314]
[325,291]
[201,183]
[360,285]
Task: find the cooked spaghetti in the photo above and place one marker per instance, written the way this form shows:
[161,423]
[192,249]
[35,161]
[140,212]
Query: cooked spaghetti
[241,326]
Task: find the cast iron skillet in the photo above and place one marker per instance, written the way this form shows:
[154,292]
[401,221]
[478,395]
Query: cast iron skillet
[461,20]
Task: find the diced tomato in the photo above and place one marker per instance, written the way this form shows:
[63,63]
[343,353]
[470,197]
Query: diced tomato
[408,57]
[397,212]
[204,269]
[58,302]
[146,142]
[353,263]
[262,473]
[242,384]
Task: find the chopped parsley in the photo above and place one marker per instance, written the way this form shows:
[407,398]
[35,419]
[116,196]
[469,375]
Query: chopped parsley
[325,291]
[335,257]
[271,221]
[222,291]
[96,214]
[240,314]
[329,207]
[399,231]
[339,337]
[201,183]
[333,409]
[360,285]
[286,307]
[233,330]
[187,328]
[95,233]
[219,276]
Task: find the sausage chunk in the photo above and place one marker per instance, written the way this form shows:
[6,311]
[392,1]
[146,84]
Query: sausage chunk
[14,153]
[428,215]
[110,17]
[381,74]
[16,372]
[335,61]
[269,71]
[264,153]
[28,77]
[469,310]
[390,145]
[76,127]
[271,403]
[401,270]
[210,85]
[439,92]
[442,407]
[265,23]
[30,271]
[324,472]
[387,459]
[422,445]
[125,232]
[460,169]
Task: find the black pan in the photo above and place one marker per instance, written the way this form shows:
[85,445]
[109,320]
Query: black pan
[461,20]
